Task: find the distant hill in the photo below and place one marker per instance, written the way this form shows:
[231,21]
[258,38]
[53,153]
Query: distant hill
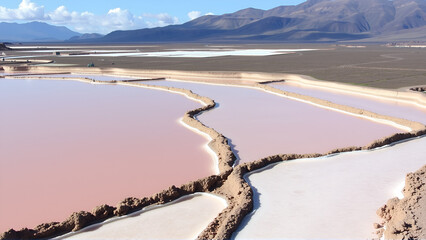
[34,32]
[313,20]
[85,37]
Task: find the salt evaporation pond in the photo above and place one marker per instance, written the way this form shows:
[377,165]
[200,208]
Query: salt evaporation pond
[183,219]
[90,76]
[331,197]
[260,124]
[24,57]
[78,50]
[67,146]
[202,53]
[371,103]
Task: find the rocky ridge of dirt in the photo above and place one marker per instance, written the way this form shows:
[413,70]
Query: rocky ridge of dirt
[406,218]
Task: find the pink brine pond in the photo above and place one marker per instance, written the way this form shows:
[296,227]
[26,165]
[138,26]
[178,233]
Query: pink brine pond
[67,146]
[385,106]
[260,124]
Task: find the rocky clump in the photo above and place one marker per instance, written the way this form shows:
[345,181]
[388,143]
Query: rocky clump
[406,218]
[103,212]
[418,89]
[342,150]
[76,221]
[24,233]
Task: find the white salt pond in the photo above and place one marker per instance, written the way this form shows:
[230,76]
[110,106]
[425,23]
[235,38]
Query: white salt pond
[378,105]
[79,50]
[24,57]
[90,47]
[204,54]
[91,76]
[332,197]
[183,219]
[51,50]
[68,146]
[260,124]
[32,47]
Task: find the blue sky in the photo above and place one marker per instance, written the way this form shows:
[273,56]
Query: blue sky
[106,16]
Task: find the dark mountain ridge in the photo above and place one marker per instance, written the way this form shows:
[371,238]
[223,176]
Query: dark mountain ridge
[313,20]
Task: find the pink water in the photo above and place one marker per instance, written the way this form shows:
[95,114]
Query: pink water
[68,146]
[260,124]
[387,107]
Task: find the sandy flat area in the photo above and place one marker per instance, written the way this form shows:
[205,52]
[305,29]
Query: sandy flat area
[182,219]
[374,65]
[329,198]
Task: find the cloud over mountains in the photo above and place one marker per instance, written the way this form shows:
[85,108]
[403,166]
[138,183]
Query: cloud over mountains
[313,20]
[114,19]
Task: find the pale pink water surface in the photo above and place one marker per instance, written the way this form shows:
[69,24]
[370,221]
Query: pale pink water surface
[383,106]
[67,146]
[260,124]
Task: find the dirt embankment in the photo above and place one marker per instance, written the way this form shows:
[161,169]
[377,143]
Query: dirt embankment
[406,218]
[79,220]
[414,126]
[229,183]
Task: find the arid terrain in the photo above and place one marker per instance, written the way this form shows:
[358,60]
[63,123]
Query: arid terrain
[372,65]
[371,70]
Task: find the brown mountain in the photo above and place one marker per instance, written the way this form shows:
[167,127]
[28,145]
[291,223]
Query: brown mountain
[313,20]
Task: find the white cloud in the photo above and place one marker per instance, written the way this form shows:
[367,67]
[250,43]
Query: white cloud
[82,22]
[194,14]
[160,20]
[61,14]
[26,10]
[118,18]
[114,19]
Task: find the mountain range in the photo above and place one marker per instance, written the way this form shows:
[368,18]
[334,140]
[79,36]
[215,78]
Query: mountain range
[312,21]
[34,32]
